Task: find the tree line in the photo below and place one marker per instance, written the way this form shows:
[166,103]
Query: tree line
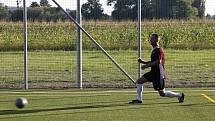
[123,10]
[158,9]
[42,11]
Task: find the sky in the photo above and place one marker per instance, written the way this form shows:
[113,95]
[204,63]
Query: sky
[71,4]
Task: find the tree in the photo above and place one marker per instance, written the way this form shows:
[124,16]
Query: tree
[159,9]
[34,4]
[200,5]
[4,12]
[16,15]
[44,3]
[72,13]
[128,9]
[172,9]
[124,9]
[34,13]
[185,10]
[51,14]
[92,10]
[164,9]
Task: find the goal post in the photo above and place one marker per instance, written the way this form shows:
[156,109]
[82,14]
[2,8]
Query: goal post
[139,36]
[97,44]
[79,46]
[25,44]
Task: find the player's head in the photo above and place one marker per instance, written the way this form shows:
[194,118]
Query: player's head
[155,38]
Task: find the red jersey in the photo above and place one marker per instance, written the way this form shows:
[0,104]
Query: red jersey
[158,54]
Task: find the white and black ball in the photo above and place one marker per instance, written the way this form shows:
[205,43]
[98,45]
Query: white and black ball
[21,102]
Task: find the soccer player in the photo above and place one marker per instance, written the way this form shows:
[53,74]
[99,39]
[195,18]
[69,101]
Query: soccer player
[156,75]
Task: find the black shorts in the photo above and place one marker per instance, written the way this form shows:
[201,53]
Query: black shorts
[157,81]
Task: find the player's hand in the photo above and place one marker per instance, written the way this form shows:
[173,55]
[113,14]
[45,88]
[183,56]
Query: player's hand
[140,60]
[144,67]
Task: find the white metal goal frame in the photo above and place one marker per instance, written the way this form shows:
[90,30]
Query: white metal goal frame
[80,29]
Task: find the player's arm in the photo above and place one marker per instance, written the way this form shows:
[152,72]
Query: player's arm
[151,64]
[143,62]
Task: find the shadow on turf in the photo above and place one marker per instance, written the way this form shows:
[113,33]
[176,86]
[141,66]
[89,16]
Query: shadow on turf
[22,111]
[9,112]
[83,109]
[89,103]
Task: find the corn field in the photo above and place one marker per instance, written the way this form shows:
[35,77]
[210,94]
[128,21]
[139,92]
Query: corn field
[176,34]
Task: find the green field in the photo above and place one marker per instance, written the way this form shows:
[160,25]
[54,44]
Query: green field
[189,50]
[60,66]
[49,66]
[190,62]
[106,105]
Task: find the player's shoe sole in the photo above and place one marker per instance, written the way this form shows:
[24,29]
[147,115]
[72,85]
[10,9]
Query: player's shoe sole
[181,99]
[135,102]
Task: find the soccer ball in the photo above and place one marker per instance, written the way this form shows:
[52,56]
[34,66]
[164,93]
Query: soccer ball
[21,102]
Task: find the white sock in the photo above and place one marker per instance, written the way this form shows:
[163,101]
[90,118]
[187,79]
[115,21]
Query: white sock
[139,91]
[172,94]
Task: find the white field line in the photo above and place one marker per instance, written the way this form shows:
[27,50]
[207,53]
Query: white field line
[59,95]
[90,92]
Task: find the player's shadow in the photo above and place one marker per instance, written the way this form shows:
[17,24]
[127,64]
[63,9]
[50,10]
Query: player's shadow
[91,103]
[86,109]
[9,112]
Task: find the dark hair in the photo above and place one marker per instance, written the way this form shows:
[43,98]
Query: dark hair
[155,35]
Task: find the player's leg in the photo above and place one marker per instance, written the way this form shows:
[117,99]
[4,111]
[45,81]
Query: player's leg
[160,86]
[165,93]
[140,83]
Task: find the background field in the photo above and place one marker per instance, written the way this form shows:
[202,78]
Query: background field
[176,34]
[182,66]
[189,48]
[105,105]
